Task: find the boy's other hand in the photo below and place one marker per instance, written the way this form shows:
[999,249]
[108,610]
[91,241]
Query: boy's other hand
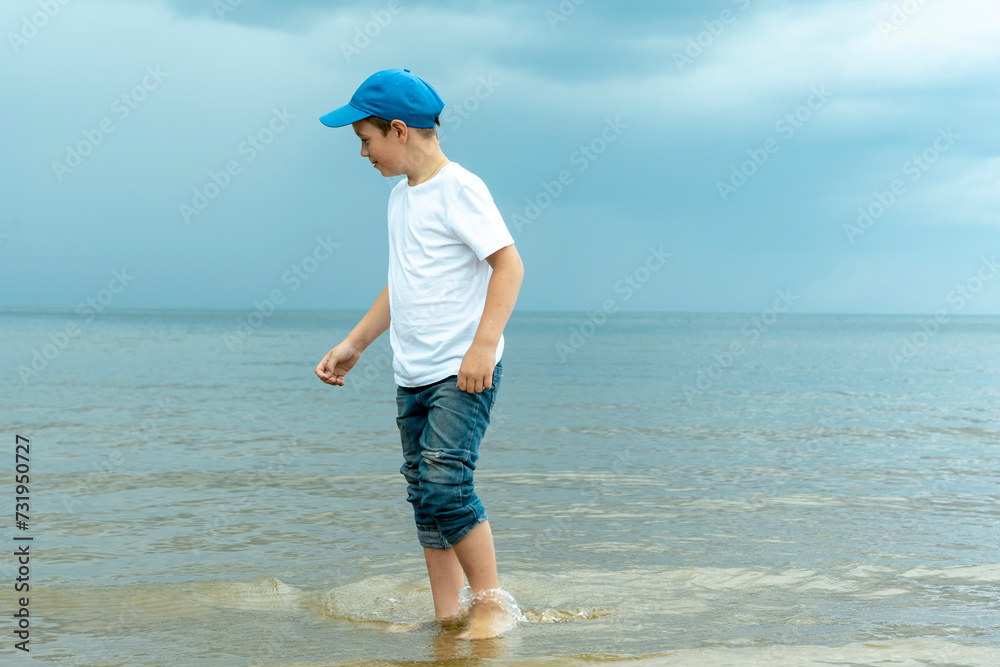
[336,363]
[476,372]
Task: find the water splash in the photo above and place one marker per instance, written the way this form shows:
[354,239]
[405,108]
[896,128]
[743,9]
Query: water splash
[498,595]
[549,615]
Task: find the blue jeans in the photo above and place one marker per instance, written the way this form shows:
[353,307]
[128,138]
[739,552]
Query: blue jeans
[441,427]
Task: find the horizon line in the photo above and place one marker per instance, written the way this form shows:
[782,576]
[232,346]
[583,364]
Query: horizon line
[54,310]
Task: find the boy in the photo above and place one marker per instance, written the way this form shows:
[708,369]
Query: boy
[454,275]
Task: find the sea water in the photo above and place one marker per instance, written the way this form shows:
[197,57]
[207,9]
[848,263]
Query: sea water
[664,489]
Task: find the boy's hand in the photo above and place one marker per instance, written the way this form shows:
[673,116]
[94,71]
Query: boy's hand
[476,372]
[336,363]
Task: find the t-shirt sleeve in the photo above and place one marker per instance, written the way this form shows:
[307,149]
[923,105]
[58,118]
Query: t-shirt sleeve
[475,220]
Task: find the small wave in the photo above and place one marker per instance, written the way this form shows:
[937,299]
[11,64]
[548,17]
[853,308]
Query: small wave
[969,574]
[565,615]
[790,578]
[381,598]
[261,594]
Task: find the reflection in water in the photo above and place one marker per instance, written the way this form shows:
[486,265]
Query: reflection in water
[446,646]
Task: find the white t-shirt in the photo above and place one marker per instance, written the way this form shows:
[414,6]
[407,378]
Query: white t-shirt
[440,233]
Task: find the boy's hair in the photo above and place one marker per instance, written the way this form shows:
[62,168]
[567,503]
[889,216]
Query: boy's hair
[384,125]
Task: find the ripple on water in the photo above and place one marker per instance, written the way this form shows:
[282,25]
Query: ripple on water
[389,599]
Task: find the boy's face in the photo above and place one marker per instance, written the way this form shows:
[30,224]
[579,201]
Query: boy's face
[385,152]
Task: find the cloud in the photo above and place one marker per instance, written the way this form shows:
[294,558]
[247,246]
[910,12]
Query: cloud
[774,47]
[554,87]
[296,15]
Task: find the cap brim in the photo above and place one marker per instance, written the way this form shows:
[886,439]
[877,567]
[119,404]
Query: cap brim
[345,115]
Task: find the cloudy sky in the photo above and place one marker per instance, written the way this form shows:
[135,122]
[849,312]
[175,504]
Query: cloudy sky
[844,151]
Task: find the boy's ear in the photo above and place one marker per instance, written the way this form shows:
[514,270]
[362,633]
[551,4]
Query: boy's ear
[400,130]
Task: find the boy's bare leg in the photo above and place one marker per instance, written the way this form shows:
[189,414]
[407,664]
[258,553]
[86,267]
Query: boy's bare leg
[445,573]
[479,561]
[488,617]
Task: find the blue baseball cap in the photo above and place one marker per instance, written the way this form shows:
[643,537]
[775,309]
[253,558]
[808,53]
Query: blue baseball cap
[390,94]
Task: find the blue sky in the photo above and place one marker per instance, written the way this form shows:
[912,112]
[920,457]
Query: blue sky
[741,137]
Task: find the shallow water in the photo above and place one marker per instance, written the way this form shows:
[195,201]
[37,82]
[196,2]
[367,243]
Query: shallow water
[810,503]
